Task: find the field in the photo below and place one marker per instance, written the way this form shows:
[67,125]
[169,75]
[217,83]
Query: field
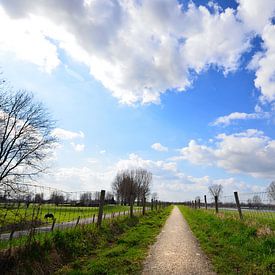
[234,246]
[19,216]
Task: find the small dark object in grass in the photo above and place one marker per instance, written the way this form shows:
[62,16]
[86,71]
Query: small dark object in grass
[49,215]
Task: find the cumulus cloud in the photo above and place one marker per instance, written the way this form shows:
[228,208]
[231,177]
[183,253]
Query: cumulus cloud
[168,181]
[67,135]
[227,120]
[136,63]
[78,147]
[249,152]
[159,147]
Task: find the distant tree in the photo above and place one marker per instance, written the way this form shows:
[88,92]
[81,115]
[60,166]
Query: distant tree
[39,198]
[256,200]
[86,198]
[131,185]
[154,196]
[198,198]
[215,190]
[25,137]
[57,198]
[271,190]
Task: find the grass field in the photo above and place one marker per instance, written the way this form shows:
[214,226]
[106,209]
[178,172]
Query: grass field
[119,247]
[15,215]
[234,246]
[254,218]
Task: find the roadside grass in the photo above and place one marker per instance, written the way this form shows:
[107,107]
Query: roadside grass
[251,218]
[83,247]
[234,246]
[14,215]
[124,254]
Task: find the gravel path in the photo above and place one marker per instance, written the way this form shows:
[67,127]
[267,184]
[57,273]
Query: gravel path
[176,250]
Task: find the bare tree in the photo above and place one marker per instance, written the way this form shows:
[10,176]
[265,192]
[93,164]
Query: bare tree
[154,196]
[131,185]
[271,190]
[215,190]
[25,137]
[256,200]
[86,198]
[57,198]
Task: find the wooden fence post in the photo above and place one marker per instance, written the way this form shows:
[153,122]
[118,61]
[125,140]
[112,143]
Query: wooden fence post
[156,204]
[131,206]
[100,208]
[143,205]
[199,203]
[216,204]
[54,220]
[238,205]
[77,221]
[205,202]
[195,204]
[152,204]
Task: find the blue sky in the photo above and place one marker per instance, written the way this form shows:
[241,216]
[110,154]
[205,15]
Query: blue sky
[185,90]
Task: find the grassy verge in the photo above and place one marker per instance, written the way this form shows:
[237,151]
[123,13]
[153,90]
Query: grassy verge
[86,247]
[233,246]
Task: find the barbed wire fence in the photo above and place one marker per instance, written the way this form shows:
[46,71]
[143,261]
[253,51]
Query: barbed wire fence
[31,209]
[257,206]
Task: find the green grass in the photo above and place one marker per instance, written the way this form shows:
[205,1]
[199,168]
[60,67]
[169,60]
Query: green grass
[23,214]
[121,244]
[234,247]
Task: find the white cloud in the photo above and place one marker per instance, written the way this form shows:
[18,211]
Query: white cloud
[227,120]
[67,135]
[78,147]
[159,147]
[265,65]
[113,39]
[249,152]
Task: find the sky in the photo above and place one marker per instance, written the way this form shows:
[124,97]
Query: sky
[184,89]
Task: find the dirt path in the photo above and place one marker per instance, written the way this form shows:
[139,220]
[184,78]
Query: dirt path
[176,250]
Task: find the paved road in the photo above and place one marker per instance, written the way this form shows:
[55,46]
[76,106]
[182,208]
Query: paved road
[176,251]
[63,225]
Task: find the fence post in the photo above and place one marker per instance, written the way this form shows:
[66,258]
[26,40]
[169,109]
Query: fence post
[94,218]
[77,221]
[195,204]
[199,203]
[216,204]
[100,208]
[205,202]
[152,204]
[54,220]
[143,205]
[156,204]
[131,206]
[238,205]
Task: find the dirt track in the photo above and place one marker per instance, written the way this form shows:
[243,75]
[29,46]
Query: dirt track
[176,250]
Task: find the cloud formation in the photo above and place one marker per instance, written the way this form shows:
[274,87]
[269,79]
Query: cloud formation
[67,135]
[227,120]
[249,152]
[158,147]
[134,62]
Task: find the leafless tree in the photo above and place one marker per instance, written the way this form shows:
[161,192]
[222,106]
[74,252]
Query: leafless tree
[256,200]
[25,137]
[215,190]
[131,185]
[57,198]
[39,198]
[154,196]
[271,190]
[86,198]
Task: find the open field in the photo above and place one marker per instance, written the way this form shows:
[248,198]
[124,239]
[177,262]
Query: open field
[234,246]
[20,216]
[118,247]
